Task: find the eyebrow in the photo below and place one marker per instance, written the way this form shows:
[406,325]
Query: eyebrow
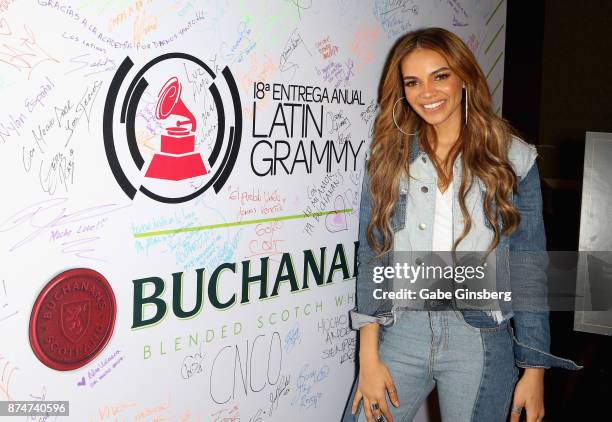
[432,73]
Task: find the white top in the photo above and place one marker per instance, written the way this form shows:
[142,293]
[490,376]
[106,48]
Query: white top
[443,220]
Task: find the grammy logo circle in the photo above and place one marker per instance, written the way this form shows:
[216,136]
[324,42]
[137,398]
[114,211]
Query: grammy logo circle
[174,130]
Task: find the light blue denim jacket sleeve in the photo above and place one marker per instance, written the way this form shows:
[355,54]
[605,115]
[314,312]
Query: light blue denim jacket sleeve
[368,309]
[528,262]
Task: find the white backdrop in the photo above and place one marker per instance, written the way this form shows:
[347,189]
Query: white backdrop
[76,194]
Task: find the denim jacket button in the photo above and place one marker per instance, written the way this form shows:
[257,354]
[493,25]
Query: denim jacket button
[424,189]
[422,226]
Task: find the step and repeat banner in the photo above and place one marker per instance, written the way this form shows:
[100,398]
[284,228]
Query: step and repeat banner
[180,198]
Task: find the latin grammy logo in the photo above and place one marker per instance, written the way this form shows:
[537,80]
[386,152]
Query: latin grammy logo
[177,159]
[168,177]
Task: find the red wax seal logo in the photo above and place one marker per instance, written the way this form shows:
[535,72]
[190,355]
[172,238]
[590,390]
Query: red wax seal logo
[72,319]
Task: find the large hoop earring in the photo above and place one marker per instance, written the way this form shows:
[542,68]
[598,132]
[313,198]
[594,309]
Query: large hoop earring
[466,105]
[395,121]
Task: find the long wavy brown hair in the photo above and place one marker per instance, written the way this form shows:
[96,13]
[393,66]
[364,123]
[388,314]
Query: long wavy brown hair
[483,140]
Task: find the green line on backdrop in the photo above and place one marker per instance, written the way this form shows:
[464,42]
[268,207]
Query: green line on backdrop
[494,11]
[493,67]
[494,38]
[237,223]
[496,86]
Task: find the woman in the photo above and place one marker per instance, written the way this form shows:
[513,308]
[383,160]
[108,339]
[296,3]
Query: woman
[473,186]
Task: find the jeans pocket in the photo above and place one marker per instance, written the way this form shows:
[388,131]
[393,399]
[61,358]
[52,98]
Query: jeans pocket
[460,317]
[481,321]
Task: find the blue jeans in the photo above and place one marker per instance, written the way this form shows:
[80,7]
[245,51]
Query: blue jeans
[473,368]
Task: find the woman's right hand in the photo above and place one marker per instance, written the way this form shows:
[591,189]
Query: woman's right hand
[375,382]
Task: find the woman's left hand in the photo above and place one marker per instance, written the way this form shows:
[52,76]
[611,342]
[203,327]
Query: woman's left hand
[529,394]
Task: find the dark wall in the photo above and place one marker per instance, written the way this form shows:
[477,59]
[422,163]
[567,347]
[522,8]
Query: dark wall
[576,79]
[523,67]
[557,86]
[558,77]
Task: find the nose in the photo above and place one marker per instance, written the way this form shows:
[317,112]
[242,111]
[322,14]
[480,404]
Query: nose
[427,90]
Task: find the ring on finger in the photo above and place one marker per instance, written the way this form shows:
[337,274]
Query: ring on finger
[517,409]
[379,418]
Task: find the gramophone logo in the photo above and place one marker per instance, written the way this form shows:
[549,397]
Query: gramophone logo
[178,159]
[191,117]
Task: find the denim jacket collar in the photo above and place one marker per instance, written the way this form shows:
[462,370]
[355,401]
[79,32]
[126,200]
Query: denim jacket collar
[416,151]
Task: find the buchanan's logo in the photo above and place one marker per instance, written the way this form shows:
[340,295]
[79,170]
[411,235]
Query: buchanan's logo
[177,131]
[75,319]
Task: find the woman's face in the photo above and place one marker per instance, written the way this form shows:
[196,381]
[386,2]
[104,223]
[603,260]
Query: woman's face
[431,88]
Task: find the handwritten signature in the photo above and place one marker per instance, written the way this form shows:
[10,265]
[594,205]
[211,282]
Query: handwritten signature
[84,106]
[241,47]
[292,338]
[92,65]
[48,214]
[80,247]
[304,394]
[192,365]
[258,416]
[282,389]
[60,171]
[231,414]
[301,5]
[6,304]
[25,56]
[5,381]
[294,41]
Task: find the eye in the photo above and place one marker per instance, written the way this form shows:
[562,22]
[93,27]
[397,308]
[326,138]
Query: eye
[410,83]
[442,76]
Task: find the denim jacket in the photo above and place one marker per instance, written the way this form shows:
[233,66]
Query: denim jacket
[412,224]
